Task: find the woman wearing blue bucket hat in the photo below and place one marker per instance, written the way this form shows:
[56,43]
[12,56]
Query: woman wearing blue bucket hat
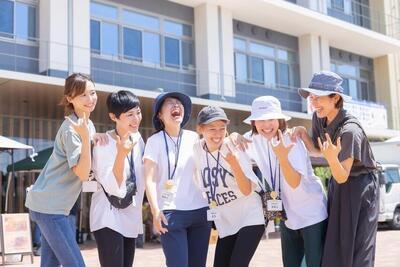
[353,191]
[178,207]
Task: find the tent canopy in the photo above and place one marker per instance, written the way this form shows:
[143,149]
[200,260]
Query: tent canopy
[7,143]
[27,164]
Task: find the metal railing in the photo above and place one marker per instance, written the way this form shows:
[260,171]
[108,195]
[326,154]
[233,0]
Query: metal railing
[358,13]
[118,71]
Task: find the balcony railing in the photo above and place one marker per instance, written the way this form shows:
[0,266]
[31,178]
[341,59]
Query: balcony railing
[358,13]
[35,58]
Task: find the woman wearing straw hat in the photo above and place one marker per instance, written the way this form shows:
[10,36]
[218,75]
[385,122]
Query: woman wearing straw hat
[178,207]
[353,191]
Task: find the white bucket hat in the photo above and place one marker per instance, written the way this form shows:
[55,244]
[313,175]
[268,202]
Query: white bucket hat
[266,108]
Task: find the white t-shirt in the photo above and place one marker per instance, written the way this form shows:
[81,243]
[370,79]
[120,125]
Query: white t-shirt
[128,222]
[305,205]
[188,195]
[235,210]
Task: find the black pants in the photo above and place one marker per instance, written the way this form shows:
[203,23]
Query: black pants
[352,223]
[307,241]
[114,249]
[238,249]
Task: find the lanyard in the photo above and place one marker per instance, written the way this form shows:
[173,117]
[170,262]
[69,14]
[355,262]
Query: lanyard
[216,159]
[131,162]
[213,186]
[273,177]
[178,147]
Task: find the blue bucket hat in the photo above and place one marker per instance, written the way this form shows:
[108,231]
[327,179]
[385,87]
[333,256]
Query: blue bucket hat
[184,99]
[324,83]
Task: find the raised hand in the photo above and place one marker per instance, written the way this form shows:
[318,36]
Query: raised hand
[228,155]
[100,139]
[281,151]
[297,132]
[124,145]
[81,127]
[239,141]
[328,149]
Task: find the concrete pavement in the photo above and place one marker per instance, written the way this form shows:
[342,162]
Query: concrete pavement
[267,254]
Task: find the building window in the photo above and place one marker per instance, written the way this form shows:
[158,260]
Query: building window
[103,11]
[337,4]
[149,39]
[109,39]
[356,80]
[172,52]
[265,64]
[17,20]
[132,44]
[241,67]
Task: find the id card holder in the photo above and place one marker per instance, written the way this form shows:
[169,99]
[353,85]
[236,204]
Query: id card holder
[167,196]
[134,200]
[274,205]
[212,214]
[168,192]
[89,186]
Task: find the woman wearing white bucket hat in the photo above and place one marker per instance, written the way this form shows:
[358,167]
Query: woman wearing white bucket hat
[288,178]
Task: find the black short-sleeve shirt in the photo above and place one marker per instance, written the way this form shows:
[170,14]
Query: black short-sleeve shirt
[354,142]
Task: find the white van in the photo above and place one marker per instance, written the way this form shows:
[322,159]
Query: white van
[389,200]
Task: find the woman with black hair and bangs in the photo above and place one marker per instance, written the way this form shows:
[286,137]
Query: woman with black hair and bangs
[116,209]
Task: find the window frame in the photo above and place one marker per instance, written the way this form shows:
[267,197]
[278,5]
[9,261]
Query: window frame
[359,79]
[274,59]
[160,32]
[13,38]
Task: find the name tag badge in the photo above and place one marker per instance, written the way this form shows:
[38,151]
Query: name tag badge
[212,215]
[134,200]
[89,186]
[167,196]
[274,205]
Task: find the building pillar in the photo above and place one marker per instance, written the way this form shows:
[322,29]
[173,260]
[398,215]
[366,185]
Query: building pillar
[314,56]
[214,51]
[64,37]
[386,71]
[80,36]
[53,50]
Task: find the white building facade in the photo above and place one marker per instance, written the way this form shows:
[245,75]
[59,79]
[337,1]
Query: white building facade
[220,52]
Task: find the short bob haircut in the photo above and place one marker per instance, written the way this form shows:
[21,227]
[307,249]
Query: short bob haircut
[282,126]
[121,102]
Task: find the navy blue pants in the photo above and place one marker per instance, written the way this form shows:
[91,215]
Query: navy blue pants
[186,243]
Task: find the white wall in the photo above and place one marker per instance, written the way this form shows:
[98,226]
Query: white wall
[214,50]
[53,29]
